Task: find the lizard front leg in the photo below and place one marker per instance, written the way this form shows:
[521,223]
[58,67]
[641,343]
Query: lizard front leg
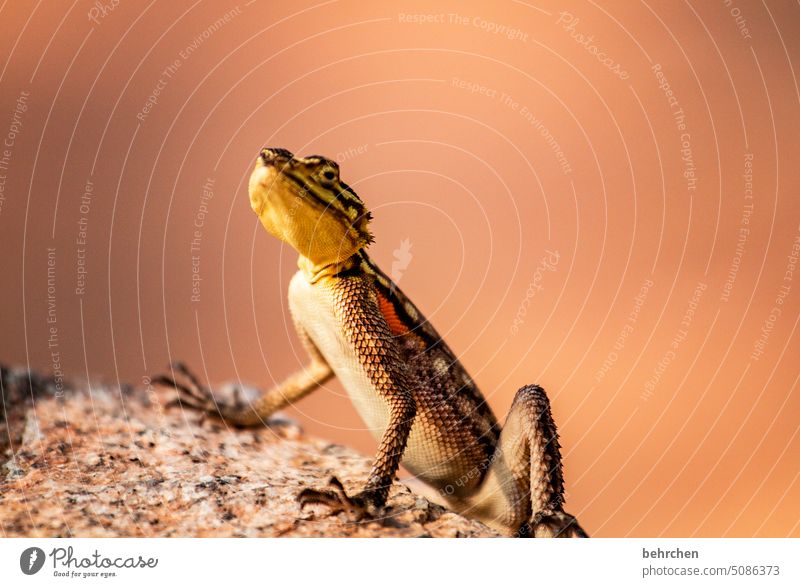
[522,492]
[365,328]
[240,413]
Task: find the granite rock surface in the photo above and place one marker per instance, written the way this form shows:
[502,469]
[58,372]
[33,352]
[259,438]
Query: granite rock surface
[98,460]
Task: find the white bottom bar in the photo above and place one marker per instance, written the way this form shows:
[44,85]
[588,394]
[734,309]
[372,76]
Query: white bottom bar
[387,562]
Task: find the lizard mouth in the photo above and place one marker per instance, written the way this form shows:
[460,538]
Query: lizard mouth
[277,178]
[281,168]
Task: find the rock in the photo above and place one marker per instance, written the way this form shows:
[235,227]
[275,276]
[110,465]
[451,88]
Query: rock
[103,461]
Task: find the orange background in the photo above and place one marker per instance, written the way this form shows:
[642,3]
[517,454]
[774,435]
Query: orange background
[702,442]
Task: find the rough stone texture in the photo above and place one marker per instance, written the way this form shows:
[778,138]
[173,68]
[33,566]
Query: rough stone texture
[100,461]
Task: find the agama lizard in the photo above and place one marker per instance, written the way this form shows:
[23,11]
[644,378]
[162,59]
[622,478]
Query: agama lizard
[403,379]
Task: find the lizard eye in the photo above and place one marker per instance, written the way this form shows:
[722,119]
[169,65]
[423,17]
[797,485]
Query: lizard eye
[329,175]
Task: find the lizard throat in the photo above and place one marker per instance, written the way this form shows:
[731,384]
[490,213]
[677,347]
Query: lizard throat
[315,272]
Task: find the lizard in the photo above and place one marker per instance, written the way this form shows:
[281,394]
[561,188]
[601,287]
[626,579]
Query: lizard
[406,383]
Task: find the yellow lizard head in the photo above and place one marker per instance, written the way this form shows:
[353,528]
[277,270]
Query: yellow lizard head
[303,202]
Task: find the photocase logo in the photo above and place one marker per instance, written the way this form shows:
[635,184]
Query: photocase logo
[402,259]
[31,560]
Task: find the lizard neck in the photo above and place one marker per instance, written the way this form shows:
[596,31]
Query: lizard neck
[314,272]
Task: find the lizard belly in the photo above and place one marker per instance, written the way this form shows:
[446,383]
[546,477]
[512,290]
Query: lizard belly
[433,457]
[312,306]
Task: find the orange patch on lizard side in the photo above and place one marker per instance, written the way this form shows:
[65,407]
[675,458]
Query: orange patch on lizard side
[386,307]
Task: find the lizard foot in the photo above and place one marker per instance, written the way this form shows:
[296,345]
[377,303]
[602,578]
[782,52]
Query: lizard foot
[193,394]
[362,505]
[550,524]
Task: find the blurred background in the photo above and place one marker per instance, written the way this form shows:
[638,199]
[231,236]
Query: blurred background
[602,199]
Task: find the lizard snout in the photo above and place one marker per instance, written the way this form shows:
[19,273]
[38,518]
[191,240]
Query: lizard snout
[273,155]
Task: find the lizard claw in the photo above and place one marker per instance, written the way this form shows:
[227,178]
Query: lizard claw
[235,410]
[190,392]
[557,524]
[362,505]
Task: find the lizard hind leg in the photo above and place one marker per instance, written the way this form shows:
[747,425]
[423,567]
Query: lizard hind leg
[548,520]
[522,493]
